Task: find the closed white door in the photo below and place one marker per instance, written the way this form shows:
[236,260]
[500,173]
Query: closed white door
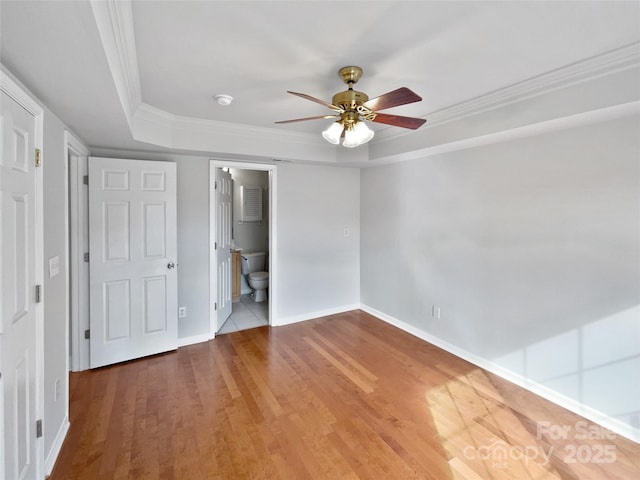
[222,246]
[133,283]
[18,317]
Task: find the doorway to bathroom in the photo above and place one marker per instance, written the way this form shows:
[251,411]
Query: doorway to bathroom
[242,245]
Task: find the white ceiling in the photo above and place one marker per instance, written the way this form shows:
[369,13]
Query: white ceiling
[187,51]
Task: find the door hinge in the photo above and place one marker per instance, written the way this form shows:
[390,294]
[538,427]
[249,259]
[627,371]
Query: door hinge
[215,306]
[215,185]
[39,429]
[215,245]
[38,157]
[38,293]
[85,180]
[87,334]
[86,257]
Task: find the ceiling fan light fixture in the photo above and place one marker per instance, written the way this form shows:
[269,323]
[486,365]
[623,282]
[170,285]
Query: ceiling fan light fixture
[357,135]
[333,133]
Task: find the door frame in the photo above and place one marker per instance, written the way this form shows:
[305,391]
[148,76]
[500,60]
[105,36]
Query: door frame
[20,95]
[75,248]
[273,241]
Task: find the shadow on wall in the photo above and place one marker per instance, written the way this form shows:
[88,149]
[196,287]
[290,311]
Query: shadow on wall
[596,364]
[572,326]
[531,249]
[555,342]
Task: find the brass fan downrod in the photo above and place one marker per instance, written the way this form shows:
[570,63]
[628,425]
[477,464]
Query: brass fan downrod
[351,99]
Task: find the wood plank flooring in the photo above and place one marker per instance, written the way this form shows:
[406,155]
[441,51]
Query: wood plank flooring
[340,397]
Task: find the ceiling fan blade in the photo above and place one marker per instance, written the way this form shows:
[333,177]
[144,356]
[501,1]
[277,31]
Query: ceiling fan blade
[308,118]
[399,121]
[317,100]
[401,96]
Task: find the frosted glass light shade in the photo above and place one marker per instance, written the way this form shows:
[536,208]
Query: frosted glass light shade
[333,133]
[357,135]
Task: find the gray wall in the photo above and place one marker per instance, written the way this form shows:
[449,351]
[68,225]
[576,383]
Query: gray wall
[318,267]
[531,249]
[55,293]
[193,244]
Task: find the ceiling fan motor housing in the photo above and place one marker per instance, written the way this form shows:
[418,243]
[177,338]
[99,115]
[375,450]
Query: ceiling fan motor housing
[349,99]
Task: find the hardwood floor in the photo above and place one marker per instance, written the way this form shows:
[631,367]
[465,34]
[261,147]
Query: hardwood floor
[340,397]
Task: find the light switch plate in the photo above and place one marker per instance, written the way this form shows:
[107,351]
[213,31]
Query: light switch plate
[54,266]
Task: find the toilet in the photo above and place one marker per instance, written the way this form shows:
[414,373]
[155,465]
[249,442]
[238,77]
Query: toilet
[253,267]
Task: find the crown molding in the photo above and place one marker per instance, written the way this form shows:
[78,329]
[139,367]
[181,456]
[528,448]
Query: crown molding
[589,117]
[12,88]
[114,19]
[149,124]
[146,112]
[159,127]
[613,61]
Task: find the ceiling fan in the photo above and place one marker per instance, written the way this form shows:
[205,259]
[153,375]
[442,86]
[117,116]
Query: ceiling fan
[352,107]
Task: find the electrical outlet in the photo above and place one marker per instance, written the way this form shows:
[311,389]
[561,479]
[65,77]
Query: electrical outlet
[56,389]
[346,232]
[182,312]
[435,312]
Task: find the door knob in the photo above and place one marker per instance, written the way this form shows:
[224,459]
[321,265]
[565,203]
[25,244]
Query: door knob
[171,265]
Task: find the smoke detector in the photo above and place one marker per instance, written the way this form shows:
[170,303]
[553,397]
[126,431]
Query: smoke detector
[223,100]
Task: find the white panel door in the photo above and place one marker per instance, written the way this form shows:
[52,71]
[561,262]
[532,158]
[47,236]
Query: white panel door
[18,319]
[133,283]
[222,246]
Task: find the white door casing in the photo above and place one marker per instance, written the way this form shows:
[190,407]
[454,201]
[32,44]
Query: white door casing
[78,266]
[214,166]
[222,245]
[133,259]
[21,341]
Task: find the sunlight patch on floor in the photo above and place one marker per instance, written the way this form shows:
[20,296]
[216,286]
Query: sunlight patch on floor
[483,438]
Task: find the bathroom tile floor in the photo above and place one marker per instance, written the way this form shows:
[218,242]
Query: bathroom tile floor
[246,314]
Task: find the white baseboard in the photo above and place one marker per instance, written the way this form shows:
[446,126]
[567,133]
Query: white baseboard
[570,404]
[52,456]
[311,315]
[205,337]
[183,342]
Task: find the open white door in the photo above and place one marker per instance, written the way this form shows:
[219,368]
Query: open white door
[133,259]
[222,245]
[19,312]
